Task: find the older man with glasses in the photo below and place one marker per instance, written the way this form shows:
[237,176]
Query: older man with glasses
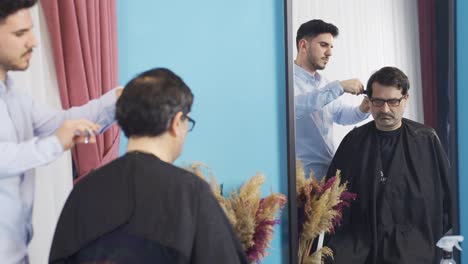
[401,175]
[140,208]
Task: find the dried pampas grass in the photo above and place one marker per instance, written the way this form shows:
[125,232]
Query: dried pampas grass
[252,217]
[320,211]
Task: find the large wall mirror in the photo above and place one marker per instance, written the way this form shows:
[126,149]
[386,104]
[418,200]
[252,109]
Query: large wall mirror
[415,36]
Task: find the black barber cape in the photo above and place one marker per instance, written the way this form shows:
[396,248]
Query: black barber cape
[398,217]
[139,209]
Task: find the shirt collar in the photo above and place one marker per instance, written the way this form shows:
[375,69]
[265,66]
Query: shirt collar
[303,73]
[6,85]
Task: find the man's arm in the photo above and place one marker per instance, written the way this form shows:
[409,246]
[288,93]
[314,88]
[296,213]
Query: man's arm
[45,147]
[349,115]
[317,98]
[16,158]
[100,111]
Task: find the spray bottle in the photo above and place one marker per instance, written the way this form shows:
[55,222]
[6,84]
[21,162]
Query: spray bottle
[447,243]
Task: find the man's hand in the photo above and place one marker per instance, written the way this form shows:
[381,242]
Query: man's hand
[352,86]
[365,105]
[76,131]
[118,92]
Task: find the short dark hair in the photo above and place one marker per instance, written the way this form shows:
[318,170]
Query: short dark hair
[150,101]
[389,76]
[9,7]
[313,28]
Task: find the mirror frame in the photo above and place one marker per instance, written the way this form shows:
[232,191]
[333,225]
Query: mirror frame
[445,23]
[448,23]
[290,124]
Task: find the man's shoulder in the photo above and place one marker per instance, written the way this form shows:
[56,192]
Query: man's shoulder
[185,178]
[20,96]
[110,176]
[360,131]
[302,76]
[150,169]
[417,129]
[145,165]
[356,138]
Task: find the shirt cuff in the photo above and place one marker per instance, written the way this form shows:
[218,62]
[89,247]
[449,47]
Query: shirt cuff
[51,147]
[109,100]
[361,114]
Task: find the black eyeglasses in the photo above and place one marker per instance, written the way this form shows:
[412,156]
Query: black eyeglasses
[391,102]
[191,123]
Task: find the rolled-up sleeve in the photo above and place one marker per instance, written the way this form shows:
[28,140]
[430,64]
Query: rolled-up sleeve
[315,99]
[100,111]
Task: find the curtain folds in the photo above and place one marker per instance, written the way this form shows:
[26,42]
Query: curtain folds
[436,27]
[428,46]
[84,40]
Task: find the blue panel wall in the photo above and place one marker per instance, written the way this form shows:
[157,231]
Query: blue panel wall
[462,110]
[231,54]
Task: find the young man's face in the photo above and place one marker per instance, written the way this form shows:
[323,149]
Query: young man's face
[318,51]
[16,42]
[387,117]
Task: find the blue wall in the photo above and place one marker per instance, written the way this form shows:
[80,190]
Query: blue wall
[231,54]
[462,120]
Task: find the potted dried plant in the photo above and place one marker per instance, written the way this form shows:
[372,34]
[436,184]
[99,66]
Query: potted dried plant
[252,217]
[320,206]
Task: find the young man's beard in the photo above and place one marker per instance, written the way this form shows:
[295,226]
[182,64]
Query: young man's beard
[318,66]
[314,64]
[18,67]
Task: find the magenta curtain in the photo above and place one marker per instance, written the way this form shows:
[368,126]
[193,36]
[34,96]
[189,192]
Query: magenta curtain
[84,42]
[427,40]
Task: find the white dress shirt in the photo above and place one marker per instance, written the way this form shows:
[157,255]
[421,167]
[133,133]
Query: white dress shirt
[27,141]
[318,104]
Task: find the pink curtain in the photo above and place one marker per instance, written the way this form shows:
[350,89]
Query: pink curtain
[84,42]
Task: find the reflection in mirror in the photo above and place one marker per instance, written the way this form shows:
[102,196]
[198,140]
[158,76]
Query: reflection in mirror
[370,35]
[365,43]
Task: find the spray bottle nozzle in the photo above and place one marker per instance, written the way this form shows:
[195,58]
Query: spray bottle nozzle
[448,242]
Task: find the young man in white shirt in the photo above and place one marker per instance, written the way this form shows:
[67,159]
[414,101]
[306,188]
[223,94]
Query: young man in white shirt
[31,134]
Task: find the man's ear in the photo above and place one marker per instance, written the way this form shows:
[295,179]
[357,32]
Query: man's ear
[407,96]
[407,99]
[176,124]
[302,45]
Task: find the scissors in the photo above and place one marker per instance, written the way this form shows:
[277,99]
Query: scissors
[87,135]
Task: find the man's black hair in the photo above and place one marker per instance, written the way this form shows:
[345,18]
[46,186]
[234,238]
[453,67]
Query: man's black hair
[313,28]
[150,101]
[9,7]
[389,76]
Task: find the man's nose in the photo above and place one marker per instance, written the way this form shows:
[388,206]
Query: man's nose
[32,42]
[385,107]
[329,52]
